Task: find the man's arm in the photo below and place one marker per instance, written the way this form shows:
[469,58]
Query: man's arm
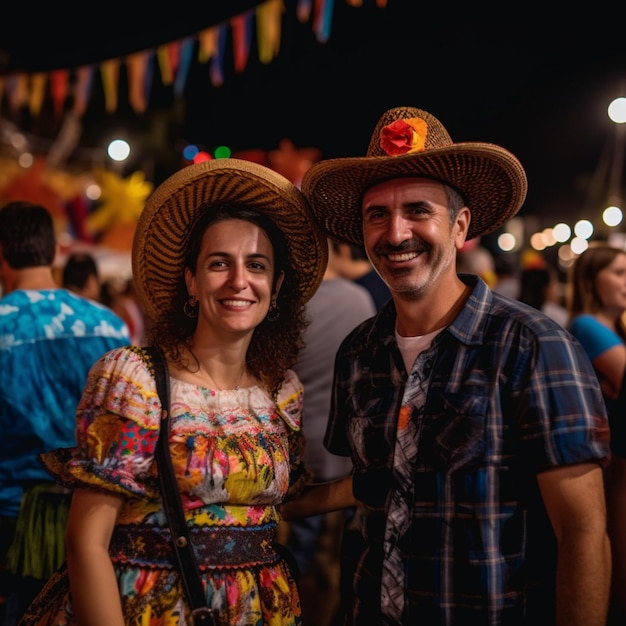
[319,498]
[575,501]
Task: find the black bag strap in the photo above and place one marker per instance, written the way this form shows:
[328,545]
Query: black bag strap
[172,505]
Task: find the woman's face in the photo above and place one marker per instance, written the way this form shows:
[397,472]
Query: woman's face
[233,278]
[610,285]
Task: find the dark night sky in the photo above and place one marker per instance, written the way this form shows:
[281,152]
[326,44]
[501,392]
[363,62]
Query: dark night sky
[507,74]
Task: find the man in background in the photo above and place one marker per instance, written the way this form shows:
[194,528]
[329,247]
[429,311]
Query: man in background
[352,262]
[80,275]
[49,339]
[338,306]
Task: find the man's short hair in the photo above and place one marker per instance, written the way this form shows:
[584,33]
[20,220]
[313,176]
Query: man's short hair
[78,268]
[27,237]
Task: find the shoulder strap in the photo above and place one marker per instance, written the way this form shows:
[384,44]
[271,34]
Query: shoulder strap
[172,505]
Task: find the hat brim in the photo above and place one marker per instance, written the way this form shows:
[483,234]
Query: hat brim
[165,223]
[491,180]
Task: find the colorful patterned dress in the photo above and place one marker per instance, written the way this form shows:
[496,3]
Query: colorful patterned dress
[236,454]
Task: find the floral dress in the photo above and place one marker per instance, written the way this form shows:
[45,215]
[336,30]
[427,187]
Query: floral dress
[236,454]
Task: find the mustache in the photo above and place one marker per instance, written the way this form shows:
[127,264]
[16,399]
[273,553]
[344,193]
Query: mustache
[406,246]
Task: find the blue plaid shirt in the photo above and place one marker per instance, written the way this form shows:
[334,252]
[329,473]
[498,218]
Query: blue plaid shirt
[511,394]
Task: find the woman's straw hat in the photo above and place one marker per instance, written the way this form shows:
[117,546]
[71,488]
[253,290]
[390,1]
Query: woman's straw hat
[175,206]
[410,142]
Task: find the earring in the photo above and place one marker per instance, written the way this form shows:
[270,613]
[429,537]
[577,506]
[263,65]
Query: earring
[190,308]
[274,313]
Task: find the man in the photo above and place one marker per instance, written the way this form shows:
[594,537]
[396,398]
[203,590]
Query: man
[476,427]
[352,263]
[81,275]
[49,339]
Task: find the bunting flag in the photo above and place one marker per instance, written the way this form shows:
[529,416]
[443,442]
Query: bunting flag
[137,70]
[168,56]
[268,19]
[217,60]
[17,88]
[207,43]
[59,90]
[304,8]
[110,71]
[242,34]
[37,93]
[82,89]
[185,58]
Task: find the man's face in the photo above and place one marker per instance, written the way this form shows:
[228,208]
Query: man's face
[408,234]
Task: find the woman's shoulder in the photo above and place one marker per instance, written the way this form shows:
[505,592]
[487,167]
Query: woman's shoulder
[290,400]
[122,371]
[587,324]
[584,320]
[595,337]
[124,358]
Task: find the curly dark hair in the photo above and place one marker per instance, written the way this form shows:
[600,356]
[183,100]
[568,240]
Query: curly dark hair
[276,344]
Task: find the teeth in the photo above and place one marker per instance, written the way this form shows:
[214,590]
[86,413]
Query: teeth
[235,302]
[406,256]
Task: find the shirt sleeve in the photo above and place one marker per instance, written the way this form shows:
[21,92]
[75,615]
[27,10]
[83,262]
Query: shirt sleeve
[562,413]
[595,337]
[290,403]
[117,428]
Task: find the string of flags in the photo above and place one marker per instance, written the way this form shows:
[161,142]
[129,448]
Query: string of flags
[172,60]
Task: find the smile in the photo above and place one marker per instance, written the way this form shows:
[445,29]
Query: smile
[235,303]
[404,256]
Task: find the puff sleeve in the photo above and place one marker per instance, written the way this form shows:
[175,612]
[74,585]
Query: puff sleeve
[117,428]
[290,403]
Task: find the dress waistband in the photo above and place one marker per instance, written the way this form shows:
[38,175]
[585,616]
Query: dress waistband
[214,546]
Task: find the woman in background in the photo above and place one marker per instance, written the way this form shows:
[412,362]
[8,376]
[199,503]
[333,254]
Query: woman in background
[596,304]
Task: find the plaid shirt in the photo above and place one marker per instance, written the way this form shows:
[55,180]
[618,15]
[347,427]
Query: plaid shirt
[511,394]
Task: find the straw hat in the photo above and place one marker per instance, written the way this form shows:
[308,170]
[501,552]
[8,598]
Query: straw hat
[410,142]
[174,207]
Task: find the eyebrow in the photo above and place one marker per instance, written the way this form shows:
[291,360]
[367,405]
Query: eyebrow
[406,205]
[228,255]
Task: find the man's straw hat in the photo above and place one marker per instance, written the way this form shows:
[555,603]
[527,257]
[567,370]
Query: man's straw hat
[410,142]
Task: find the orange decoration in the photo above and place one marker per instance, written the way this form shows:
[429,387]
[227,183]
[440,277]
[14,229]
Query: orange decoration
[32,186]
[292,162]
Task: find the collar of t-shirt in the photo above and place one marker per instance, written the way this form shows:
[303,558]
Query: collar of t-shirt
[410,347]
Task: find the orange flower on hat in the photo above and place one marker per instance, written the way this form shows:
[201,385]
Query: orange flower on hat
[404,136]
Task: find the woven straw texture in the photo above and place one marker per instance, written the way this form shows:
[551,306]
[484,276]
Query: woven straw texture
[174,207]
[491,180]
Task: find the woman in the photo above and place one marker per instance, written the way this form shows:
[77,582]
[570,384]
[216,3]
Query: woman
[597,305]
[226,254]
